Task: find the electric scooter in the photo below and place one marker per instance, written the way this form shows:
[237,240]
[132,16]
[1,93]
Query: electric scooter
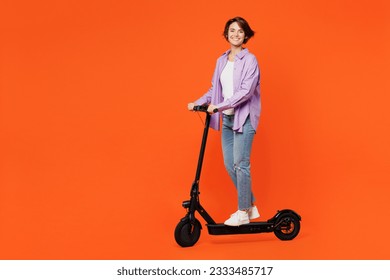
[285,224]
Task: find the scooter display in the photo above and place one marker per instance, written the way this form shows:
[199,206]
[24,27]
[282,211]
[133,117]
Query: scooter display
[285,224]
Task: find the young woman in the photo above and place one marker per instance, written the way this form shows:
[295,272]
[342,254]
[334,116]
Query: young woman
[235,93]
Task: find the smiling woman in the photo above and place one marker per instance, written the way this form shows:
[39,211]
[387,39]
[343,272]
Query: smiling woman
[238,27]
[97,146]
[235,92]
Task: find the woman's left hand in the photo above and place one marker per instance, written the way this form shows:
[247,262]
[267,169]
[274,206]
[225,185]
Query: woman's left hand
[211,108]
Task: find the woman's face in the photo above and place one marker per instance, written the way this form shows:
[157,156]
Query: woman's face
[236,35]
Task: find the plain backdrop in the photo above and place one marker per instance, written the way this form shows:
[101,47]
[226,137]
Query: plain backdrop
[98,149]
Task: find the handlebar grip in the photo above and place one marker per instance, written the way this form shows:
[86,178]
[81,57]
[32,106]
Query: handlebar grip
[203,108]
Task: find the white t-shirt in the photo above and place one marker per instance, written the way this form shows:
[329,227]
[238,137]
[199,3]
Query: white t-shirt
[227,84]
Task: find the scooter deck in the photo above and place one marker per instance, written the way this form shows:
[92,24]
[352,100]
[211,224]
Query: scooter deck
[254,227]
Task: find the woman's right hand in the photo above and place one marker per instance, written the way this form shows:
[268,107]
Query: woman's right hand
[190,106]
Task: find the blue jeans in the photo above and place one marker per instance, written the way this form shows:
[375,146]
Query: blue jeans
[236,149]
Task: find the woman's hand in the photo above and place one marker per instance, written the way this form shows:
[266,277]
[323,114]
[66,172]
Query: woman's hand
[211,109]
[190,106]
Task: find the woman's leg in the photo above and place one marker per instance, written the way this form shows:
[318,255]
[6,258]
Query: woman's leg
[242,148]
[236,150]
[227,146]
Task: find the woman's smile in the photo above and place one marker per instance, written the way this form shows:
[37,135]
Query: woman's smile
[236,34]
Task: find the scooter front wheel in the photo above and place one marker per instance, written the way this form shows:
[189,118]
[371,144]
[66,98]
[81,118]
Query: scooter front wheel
[287,226]
[187,232]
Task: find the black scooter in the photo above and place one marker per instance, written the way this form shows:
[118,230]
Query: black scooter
[285,224]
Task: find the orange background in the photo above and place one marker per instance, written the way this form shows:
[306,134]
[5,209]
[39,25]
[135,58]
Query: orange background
[98,149]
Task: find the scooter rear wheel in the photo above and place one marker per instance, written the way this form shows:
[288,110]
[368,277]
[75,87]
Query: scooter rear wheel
[287,226]
[187,233]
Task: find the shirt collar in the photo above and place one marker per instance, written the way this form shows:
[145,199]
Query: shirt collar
[240,55]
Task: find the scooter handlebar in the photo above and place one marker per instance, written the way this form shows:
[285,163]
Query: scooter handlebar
[203,108]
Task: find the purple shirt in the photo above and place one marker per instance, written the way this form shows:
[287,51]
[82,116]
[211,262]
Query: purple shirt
[246,97]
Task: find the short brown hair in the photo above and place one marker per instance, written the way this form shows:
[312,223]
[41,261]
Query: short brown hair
[249,33]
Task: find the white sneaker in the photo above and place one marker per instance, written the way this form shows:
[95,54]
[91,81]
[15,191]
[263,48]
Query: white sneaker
[238,218]
[253,213]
